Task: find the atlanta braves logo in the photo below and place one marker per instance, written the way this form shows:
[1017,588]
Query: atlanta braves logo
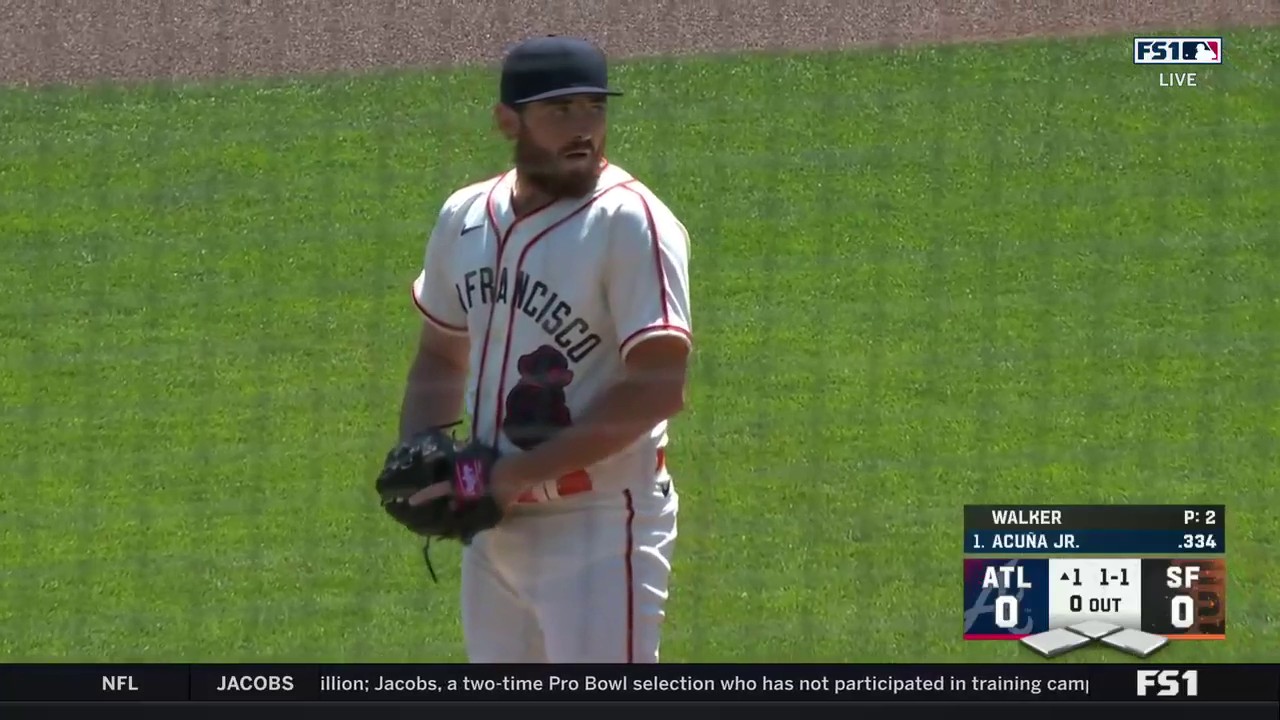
[985,605]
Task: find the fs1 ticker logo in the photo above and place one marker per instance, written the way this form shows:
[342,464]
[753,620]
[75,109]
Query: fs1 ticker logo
[1177,51]
[1168,683]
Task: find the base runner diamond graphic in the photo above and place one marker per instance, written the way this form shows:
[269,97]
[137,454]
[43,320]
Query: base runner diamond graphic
[1136,642]
[1095,629]
[1060,641]
[1055,642]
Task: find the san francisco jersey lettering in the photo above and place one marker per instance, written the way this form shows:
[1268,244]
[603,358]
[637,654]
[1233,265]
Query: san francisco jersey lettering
[553,302]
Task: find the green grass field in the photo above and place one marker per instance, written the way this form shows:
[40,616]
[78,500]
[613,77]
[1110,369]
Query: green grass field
[1006,273]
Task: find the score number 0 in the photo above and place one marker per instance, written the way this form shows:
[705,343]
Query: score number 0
[1006,608]
[1182,612]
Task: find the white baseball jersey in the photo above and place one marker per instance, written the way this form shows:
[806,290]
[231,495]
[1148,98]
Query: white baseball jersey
[552,303]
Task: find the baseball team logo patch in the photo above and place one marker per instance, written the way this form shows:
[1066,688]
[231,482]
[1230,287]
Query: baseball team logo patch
[1177,51]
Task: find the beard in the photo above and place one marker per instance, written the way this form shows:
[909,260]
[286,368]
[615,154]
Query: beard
[551,173]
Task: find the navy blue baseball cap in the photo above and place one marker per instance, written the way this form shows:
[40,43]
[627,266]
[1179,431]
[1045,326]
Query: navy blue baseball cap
[547,67]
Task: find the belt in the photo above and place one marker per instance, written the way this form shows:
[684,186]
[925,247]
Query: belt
[574,483]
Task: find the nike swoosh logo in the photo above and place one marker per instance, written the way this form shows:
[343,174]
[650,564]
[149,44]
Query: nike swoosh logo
[467,230]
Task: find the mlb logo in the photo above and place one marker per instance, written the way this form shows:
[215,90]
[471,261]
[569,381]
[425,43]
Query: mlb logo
[1177,51]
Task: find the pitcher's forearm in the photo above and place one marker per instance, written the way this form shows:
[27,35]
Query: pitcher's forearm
[432,397]
[623,414]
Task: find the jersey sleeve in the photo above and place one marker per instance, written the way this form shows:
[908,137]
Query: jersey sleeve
[432,291]
[647,275]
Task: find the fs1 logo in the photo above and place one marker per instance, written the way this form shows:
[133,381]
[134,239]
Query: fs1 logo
[1169,683]
[1177,51]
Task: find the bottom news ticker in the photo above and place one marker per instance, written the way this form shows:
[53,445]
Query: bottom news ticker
[638,683]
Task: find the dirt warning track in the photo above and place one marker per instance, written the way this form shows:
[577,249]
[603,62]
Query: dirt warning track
[76,41]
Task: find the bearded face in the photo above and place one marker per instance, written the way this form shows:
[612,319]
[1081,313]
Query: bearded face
[560,146]
[567,172]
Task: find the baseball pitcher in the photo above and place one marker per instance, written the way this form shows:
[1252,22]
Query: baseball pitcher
[555,300]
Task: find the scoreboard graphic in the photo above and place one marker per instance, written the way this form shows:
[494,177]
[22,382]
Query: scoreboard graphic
[1057,577]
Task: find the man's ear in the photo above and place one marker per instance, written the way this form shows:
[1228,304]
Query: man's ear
[507,120]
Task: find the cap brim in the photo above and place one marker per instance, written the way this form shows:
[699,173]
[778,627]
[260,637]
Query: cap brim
[565,92]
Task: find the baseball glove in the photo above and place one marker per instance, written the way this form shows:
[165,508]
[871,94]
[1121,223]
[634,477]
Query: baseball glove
[431,458]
